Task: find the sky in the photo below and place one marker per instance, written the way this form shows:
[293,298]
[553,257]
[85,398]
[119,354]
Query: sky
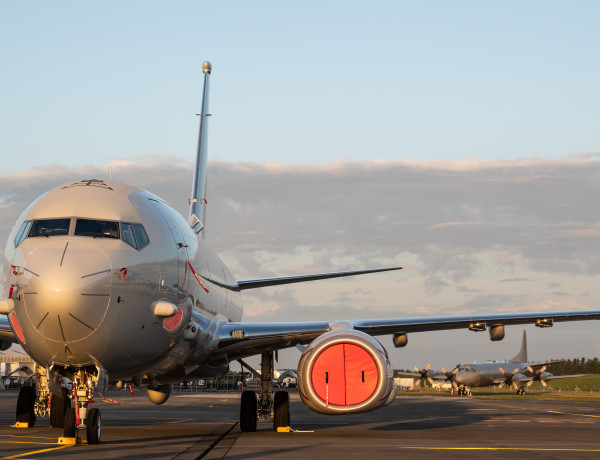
[456,139]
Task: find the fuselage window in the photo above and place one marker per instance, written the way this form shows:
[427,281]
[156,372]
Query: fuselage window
[22,232]
[140,236]
[49,227]
[97,228]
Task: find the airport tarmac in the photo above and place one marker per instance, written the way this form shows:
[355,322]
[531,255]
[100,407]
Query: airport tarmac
[204,425]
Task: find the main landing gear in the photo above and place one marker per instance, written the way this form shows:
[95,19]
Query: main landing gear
[37,399]
[264,406]
[465,391]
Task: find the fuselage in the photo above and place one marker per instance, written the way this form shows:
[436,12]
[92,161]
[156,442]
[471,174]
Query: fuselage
[485,374]
[86,262]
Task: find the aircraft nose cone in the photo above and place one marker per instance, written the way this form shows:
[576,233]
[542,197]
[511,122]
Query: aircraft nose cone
[69,290]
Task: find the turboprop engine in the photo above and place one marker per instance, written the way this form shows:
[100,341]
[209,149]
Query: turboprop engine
[345,372]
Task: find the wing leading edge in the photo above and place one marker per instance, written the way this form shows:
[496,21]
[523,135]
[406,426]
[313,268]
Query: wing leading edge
[236,340]
[263,282]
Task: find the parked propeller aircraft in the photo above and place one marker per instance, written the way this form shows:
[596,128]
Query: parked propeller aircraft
[493,373]
[104,281]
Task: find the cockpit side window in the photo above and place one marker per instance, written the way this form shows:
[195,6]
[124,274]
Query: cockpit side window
[127,234]
[22,232]
[141,236]
[134,235]
[49,227]
[97,228]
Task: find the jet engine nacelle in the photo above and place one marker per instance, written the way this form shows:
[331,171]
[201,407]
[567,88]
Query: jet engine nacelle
[345,372]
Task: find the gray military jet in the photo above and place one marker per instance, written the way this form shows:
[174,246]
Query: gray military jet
[106,282]
[493,373]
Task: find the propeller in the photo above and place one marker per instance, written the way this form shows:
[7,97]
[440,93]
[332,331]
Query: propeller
[450,376]
[508,378]
[424,374]
[538,376]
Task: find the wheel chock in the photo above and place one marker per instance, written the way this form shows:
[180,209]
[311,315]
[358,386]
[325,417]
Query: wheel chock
[283,429]
[63,441]
[20,425]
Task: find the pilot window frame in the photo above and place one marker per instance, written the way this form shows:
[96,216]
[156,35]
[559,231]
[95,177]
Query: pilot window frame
[139,230]
[33,227]
[97,234]
[139,235]
[23,232]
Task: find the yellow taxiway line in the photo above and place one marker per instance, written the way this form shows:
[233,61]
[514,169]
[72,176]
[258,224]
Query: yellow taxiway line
[569,413]
[36,452]
[528,449]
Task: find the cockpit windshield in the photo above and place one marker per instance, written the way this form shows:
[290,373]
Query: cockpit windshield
[133,234]
[49,227]
[97,228]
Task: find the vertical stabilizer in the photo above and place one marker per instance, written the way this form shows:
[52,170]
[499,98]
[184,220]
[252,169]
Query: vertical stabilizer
[522,355]
[198,198]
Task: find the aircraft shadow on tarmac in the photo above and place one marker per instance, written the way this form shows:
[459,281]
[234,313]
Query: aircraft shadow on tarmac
[425,415]
[403,415]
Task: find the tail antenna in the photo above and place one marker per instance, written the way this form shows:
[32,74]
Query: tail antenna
[198,199]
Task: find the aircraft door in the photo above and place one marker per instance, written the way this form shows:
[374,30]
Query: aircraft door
[174,273]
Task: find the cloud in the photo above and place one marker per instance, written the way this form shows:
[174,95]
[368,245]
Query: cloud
[472,236]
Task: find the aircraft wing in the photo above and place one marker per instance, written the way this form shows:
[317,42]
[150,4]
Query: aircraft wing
[545,363]
[264,282]
[554,377]
[6,332]
[436,376]
[239,339]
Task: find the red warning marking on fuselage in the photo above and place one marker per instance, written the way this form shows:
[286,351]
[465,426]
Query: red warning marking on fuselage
[16,326]
[197,277]
[171,323]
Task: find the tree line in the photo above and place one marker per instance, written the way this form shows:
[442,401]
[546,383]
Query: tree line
[575,366]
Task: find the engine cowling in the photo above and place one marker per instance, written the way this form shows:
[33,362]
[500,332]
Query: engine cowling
[345,372]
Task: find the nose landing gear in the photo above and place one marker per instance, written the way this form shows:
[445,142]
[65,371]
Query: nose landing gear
[80,417]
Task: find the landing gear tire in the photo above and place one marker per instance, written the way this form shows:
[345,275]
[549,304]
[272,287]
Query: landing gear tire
[248,408]
[281,410]
[26,406]
[94,426]
[70,430]
[58,408]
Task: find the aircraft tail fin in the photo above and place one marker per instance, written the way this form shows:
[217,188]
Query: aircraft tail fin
[198,199]
[522,355]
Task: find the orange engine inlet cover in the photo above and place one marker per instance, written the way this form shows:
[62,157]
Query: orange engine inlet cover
[344,374]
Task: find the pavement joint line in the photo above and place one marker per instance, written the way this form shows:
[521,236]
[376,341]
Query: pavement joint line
[216,442]
[180,421]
